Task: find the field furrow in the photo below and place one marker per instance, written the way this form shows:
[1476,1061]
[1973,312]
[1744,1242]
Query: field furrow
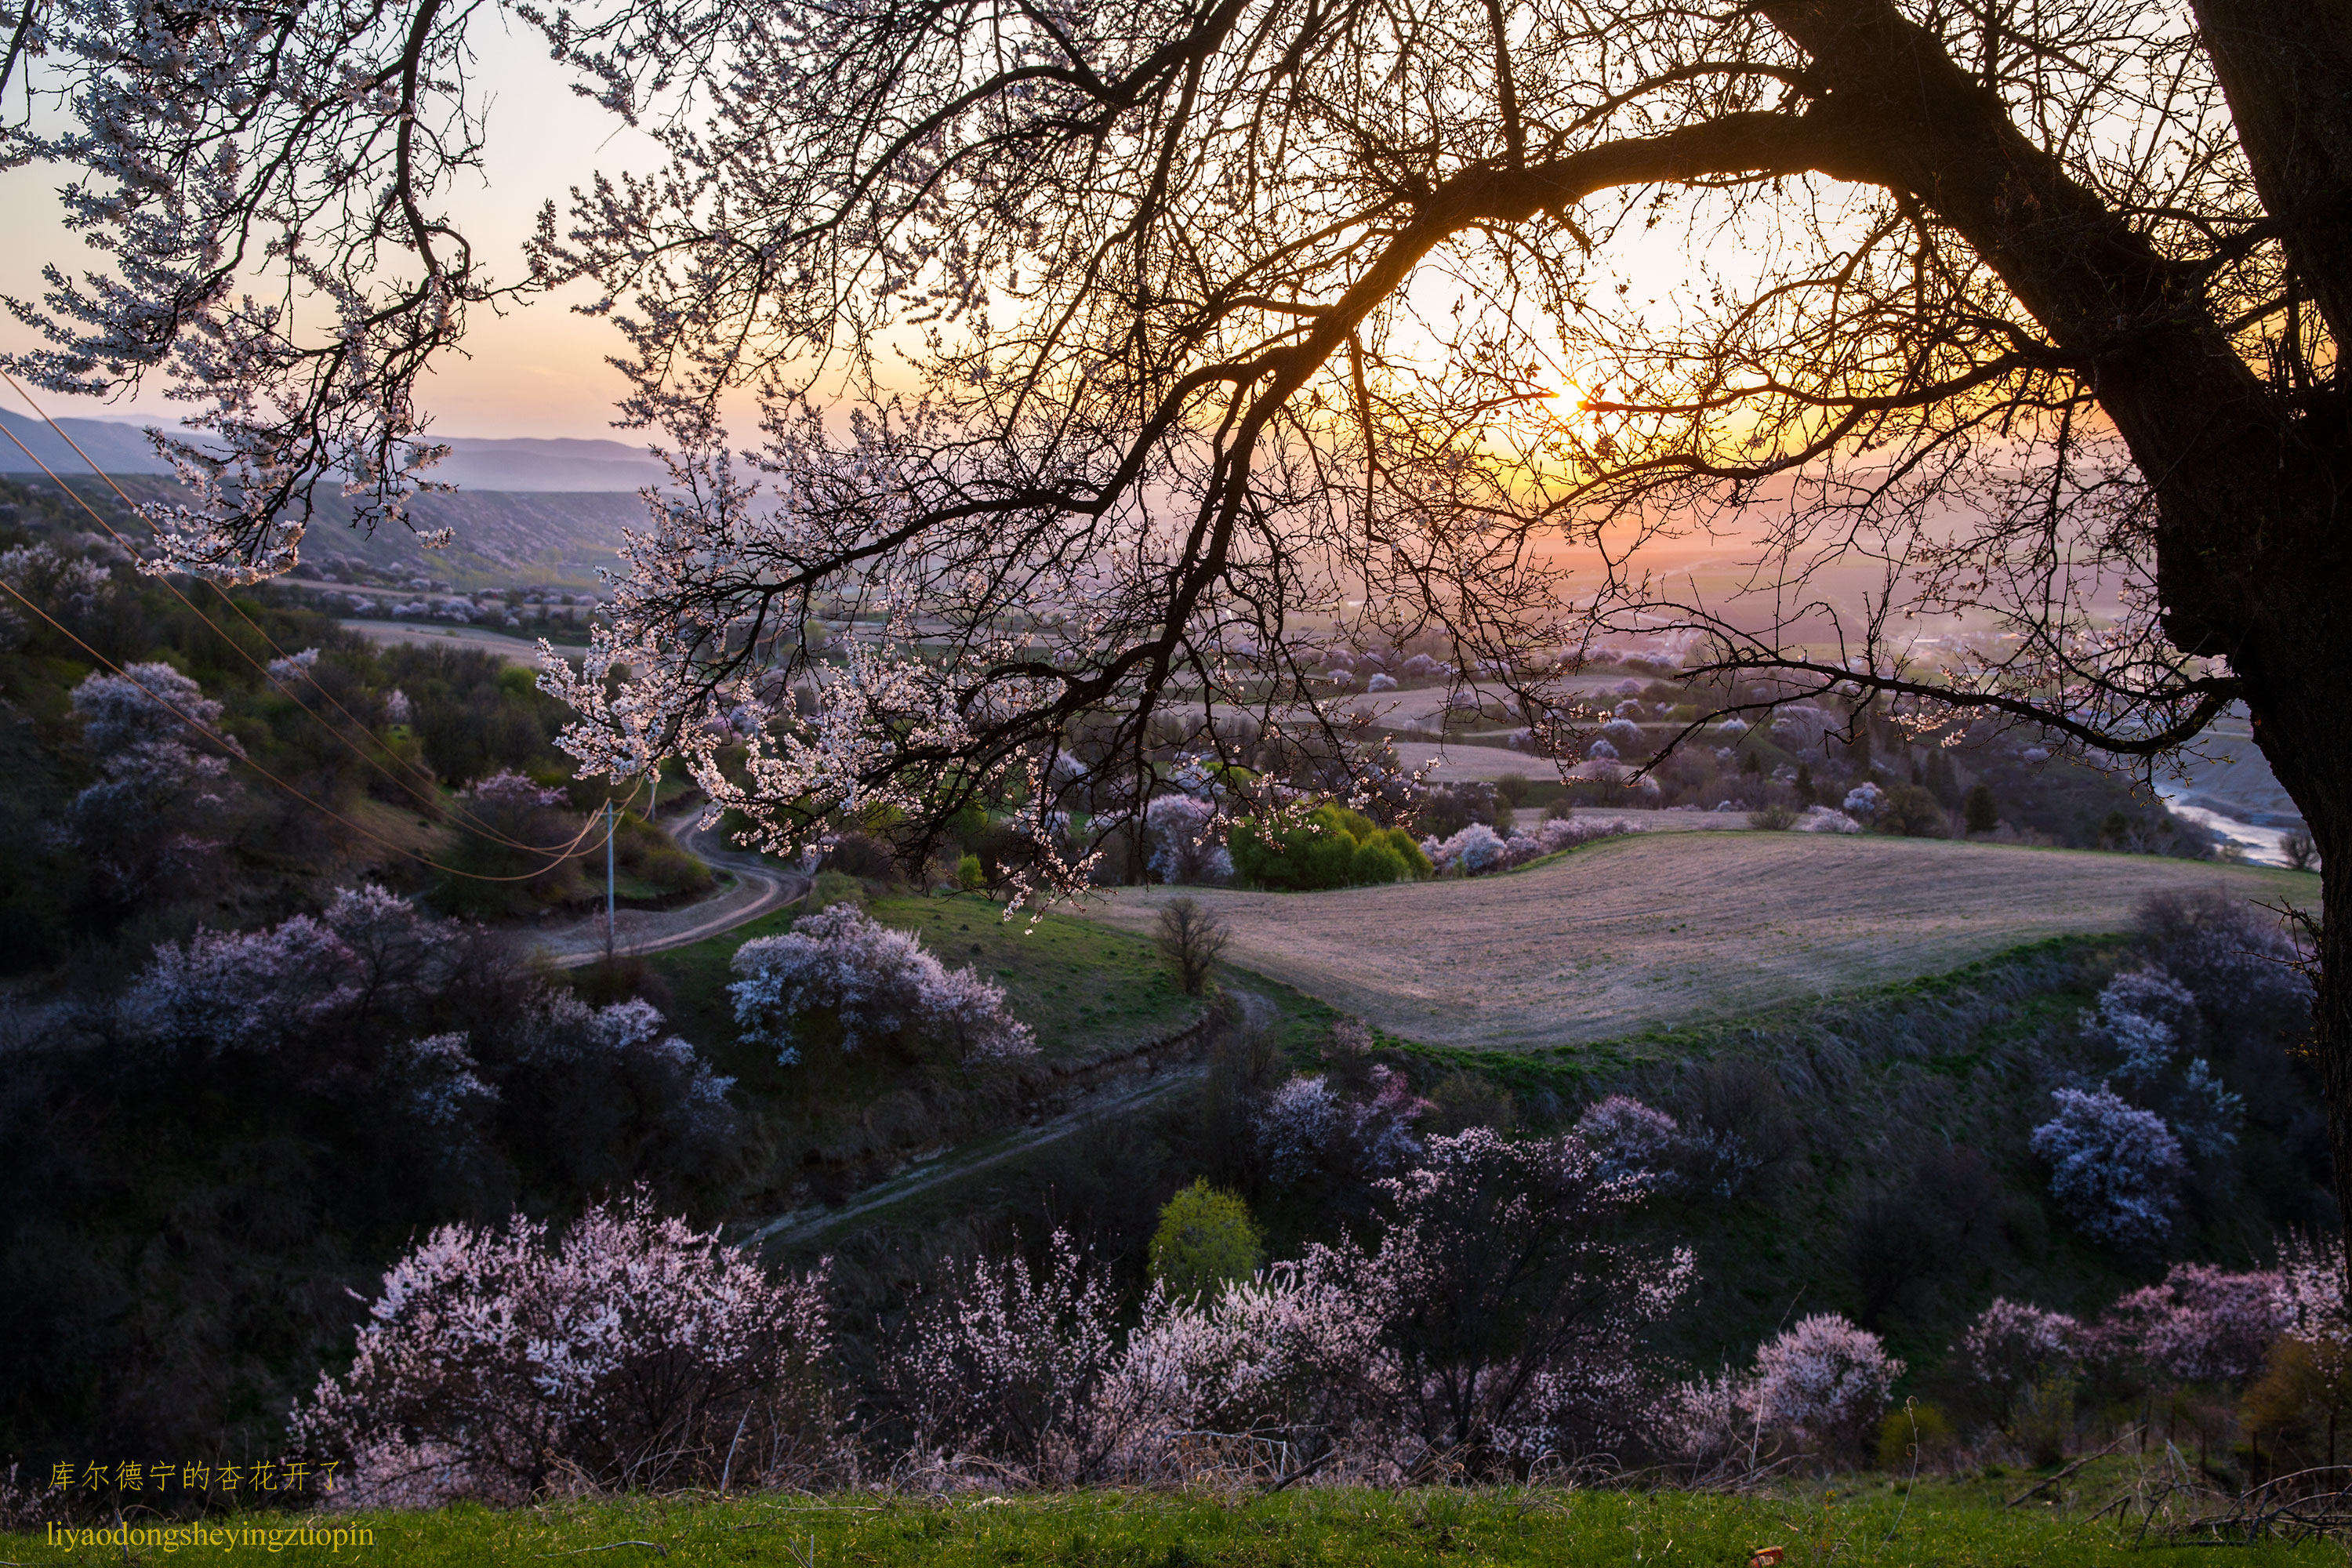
[1674,928]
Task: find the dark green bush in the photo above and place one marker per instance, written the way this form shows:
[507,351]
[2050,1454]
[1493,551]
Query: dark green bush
[1313,852]
[1376,861]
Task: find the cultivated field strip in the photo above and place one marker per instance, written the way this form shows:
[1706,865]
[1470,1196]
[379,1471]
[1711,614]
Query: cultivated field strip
[1675,928]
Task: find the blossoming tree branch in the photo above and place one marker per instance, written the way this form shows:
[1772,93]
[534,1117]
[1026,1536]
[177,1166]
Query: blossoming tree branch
[1233,322]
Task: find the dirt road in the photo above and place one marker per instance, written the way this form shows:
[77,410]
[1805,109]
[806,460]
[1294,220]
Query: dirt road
[969,1159]
[760,887]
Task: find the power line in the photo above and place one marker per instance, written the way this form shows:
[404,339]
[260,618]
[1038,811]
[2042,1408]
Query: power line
[422,799]
[328,812]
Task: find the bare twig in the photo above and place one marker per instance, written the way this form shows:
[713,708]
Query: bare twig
[2070,1470]
[608,1546]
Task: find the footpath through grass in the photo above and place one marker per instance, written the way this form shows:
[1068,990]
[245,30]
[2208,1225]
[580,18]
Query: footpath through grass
[1866,1525]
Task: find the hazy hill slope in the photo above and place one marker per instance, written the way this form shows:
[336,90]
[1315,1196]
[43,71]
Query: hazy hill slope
[119,447]
[1676,928]
[504,537]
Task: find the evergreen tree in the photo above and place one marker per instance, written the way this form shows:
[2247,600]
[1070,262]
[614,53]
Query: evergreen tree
[1980,815]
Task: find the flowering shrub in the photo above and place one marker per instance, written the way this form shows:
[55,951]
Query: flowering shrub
[2145,1015]
[241,990]
[1008,1364]
[2235,956]
[2114,1169]
[1180,831]
[519,848]
[1825,1382]
[1823,819]
[357,1003]
[875,983]
[145,822]
[1514,1310]
[1304,1124]
[2012,1345]
[2142,1014]
[1475,848]
[1296,1125]
[1865,802]
[637,1353]
[1478,848]
[507,789]
[1624,735]
[1635,1143]
[1290,1356]
[2311,1288]
[69,583]
[1494,1322]
[2202,1324]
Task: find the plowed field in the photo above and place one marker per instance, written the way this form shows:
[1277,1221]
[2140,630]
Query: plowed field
[1675,928]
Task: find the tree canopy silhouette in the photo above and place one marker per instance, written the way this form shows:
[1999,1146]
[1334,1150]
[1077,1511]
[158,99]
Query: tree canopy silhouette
[1222,328]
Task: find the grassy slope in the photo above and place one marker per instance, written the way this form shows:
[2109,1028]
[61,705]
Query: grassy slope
[1875,1079]
[1675,929]
[1089,993]
[1872,1524]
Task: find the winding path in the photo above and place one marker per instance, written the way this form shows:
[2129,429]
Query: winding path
[761,887]
[978,1155]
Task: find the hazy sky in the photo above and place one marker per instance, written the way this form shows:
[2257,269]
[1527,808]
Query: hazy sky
[535,372]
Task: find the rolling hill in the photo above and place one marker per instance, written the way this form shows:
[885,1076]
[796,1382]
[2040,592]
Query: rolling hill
[1669,929]
[121,447]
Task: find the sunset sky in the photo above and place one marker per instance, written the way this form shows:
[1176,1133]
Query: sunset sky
[538,371]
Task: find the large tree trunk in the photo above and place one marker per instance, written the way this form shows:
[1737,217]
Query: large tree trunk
[2304,725]
[2253,481]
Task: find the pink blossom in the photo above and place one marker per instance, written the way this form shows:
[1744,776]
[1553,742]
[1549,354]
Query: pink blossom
[875,982]
[2012,1344]
[635,1353]
[2202,1324]
[510,790]
[1825,1380]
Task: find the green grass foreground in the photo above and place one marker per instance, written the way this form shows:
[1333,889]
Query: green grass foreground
[1863,1525]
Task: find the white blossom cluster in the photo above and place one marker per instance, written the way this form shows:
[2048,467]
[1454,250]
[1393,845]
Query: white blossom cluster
[158,788]
[1183,832]
[872,981]
[495,1362]
[1304,1124]
[1635,1143]
[336,999]
[1820,1384]
[2116,1169]
[1478,849]
[2147,1016]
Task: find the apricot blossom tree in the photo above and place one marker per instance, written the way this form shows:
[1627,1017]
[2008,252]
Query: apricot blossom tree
[1236,322]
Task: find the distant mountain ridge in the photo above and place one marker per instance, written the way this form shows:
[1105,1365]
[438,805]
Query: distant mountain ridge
[505,539]
[537,465]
